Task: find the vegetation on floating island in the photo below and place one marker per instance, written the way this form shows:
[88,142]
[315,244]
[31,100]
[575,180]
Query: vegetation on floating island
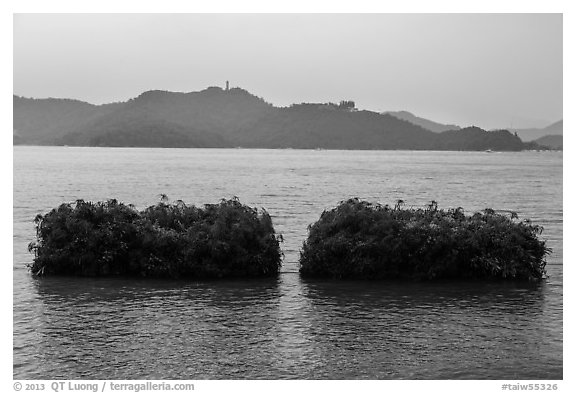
[360,240]
[168,240]
[356,240]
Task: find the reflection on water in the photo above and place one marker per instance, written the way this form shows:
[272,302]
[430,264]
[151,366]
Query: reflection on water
[151,329]
[286,327]
[434,330]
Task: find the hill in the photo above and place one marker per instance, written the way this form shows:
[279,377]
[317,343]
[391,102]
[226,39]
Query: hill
[231,118]
[424,123]
[150,133]
[555,142]
[309,126]
[211,111]
[38,121]
[474,138]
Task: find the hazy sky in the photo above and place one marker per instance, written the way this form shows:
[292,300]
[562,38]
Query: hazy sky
[490,70]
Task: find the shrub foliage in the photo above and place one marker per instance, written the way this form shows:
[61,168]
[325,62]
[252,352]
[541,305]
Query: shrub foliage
[169,240]
[370,241]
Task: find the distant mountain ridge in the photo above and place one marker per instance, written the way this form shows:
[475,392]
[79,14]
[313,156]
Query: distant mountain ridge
[532,134]
[216,117]
[424,123]
[551,141]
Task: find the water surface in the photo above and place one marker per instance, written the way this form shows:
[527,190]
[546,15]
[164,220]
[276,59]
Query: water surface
[286,327]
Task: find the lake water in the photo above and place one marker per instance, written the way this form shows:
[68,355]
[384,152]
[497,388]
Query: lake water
[287,327]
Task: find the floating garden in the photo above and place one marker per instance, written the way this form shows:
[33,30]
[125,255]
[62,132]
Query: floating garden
[355,240]
[167,240]
[360,240]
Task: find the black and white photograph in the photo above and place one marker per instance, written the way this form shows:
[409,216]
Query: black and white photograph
[282,196]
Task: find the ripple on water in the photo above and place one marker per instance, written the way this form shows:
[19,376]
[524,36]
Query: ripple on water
[286,327]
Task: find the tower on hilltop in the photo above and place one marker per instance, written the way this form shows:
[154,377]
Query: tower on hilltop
[227,85]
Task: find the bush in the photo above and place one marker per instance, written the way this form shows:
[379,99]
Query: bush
[366,241]
[228,239]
